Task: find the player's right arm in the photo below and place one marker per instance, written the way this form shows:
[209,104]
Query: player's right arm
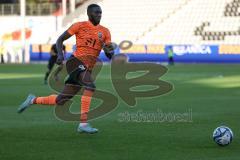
[59,46]
[67,34]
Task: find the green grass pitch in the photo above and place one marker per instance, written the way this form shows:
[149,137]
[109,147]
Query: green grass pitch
[210,92]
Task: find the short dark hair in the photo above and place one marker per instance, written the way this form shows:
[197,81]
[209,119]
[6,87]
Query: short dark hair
[92,6]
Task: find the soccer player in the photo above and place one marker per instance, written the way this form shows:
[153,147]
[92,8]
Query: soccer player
[52,60]
[91,37]
[170,56]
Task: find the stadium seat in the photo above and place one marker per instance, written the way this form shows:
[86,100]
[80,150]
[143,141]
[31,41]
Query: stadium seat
[167,22]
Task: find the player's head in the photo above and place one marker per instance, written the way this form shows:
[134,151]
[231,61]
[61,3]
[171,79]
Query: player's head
[94,13]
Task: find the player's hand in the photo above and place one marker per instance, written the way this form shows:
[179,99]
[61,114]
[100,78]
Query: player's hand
[109,50]
[59,60]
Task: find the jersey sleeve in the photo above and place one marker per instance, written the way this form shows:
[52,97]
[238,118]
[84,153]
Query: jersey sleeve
[108,37]
[73,29]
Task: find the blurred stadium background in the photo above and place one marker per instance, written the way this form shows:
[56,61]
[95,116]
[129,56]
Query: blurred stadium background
[198,31]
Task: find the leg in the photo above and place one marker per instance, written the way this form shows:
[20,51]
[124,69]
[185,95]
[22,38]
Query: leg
[78,74]
[46,76]
[172,61]
[89,88]
[59,68]
[68,92]
[51,63]
[2,59]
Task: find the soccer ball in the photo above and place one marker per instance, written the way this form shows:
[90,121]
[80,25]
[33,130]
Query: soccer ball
[223,135]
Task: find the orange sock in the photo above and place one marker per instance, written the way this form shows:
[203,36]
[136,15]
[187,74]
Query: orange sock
[85,104]
[49,100]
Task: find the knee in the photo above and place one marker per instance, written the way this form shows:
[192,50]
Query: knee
[61,100]
[90,86]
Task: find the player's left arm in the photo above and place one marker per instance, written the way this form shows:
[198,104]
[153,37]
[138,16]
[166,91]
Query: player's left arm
[109,46]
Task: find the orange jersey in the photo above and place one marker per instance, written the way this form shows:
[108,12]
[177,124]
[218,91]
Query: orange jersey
[89,41]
